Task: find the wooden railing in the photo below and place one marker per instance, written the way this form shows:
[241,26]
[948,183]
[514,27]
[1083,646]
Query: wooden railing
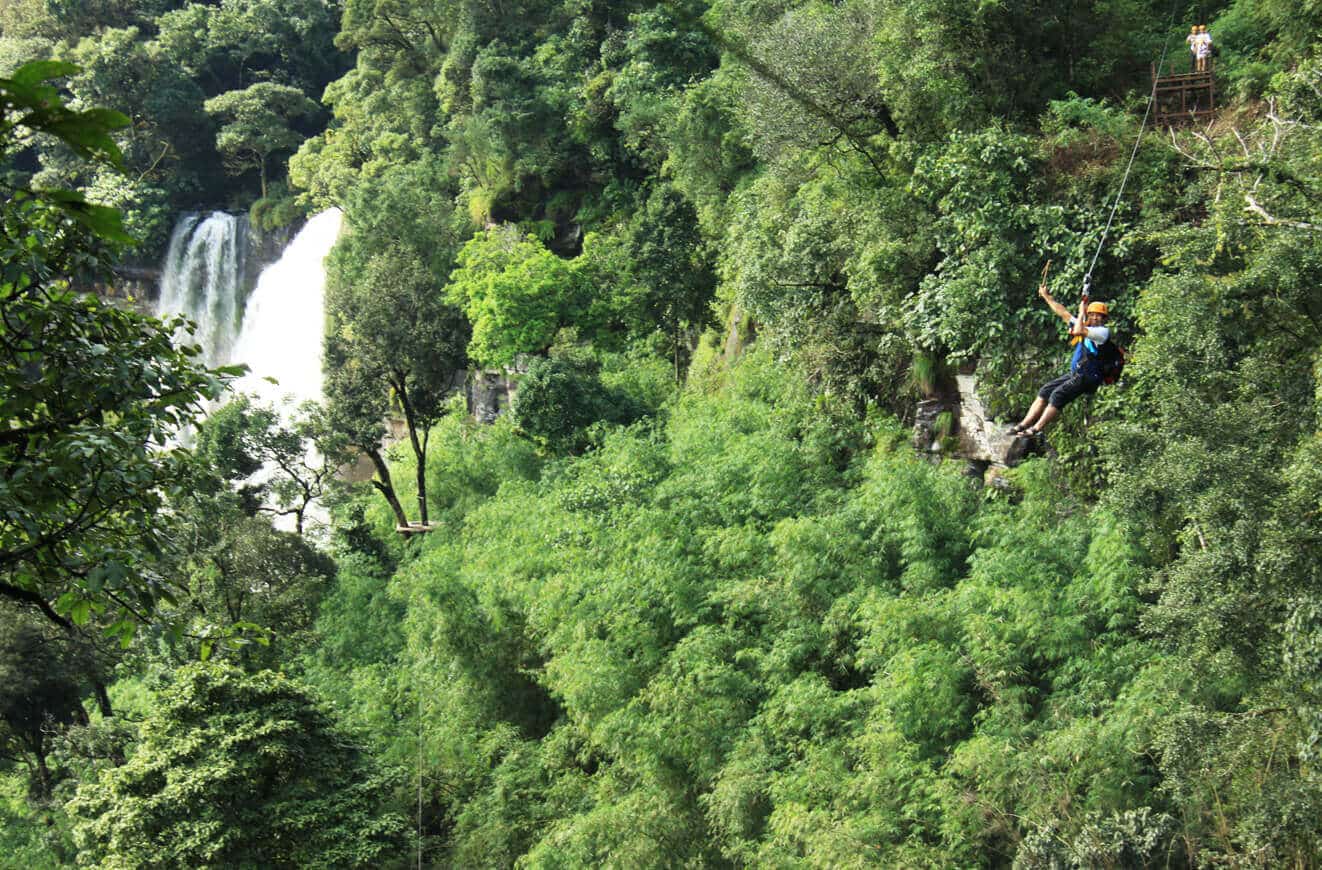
[1184,97]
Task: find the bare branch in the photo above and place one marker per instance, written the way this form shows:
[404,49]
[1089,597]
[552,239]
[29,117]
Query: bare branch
[1242,144]
[1271,220]
[1187,155]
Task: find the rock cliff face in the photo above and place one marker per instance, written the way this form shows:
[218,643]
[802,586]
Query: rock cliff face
[264,248]
[981,438]
[955,421]
[490,394]
[133,287]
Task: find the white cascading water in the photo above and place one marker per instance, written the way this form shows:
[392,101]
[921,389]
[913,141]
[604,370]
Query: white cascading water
[281,335]
[280,332]
[203,277]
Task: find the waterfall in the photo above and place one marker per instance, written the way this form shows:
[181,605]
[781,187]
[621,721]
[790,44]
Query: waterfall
[281,335]
[203,279]
[278,336]
[277,333]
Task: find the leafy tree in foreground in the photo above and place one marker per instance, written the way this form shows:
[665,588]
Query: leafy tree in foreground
[356,408]
[252,590]
[241,439]
[561,396]
[89,394]
[516,293]
[239,771]
[676,272]
[390,329]
[394,322]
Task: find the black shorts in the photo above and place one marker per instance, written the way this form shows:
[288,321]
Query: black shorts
[1066,388]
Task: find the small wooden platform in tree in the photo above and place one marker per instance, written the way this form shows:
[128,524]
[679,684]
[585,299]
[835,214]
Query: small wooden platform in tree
[415,529]
[1183,98]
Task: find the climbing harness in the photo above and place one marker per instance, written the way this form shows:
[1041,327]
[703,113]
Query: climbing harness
[1152,96]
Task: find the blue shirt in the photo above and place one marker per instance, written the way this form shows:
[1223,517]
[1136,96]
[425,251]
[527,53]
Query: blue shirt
[1085,359]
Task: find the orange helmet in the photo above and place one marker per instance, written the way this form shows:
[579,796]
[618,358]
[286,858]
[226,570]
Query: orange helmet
[1098,308]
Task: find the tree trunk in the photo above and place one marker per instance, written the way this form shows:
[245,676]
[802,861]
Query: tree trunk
[677,351]
[419,447]
[43,772]
[384,485]
[102,696]
[422,477]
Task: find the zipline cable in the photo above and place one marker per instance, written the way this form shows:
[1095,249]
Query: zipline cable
[1152,98]
[419,691]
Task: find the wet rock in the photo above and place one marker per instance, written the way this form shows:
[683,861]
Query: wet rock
[1018,450]
[976,469]
[995,479]
[924,425]
[490,394]
[980,437]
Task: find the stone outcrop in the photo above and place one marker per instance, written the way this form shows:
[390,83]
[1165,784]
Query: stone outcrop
[981,437]
[489,395]
[490,392]
[132,287]
[968,431]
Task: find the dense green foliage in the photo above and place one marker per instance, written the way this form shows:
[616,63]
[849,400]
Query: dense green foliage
[218,739]
[41,693]
[89,394]
[754,631]
[693,600]
[561,398]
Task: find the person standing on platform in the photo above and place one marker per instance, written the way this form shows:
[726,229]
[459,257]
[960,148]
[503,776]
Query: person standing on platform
[1204,47]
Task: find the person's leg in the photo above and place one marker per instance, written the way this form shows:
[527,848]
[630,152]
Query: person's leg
[1043,396]
[1048,417]
[1038,404]
[1070,389]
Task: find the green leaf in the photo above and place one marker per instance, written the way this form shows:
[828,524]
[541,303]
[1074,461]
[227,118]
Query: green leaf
[81,612]
[37,71]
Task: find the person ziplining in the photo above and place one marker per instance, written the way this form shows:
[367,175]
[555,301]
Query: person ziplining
[1095,361]
[1098,360]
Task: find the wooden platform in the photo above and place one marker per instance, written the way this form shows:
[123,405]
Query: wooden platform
[416,528]
[1184,97]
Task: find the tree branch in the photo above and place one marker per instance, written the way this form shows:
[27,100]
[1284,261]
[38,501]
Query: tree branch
[27,596]
[1271,220]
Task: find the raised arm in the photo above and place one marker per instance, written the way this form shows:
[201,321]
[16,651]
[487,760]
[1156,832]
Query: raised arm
[1061,311]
